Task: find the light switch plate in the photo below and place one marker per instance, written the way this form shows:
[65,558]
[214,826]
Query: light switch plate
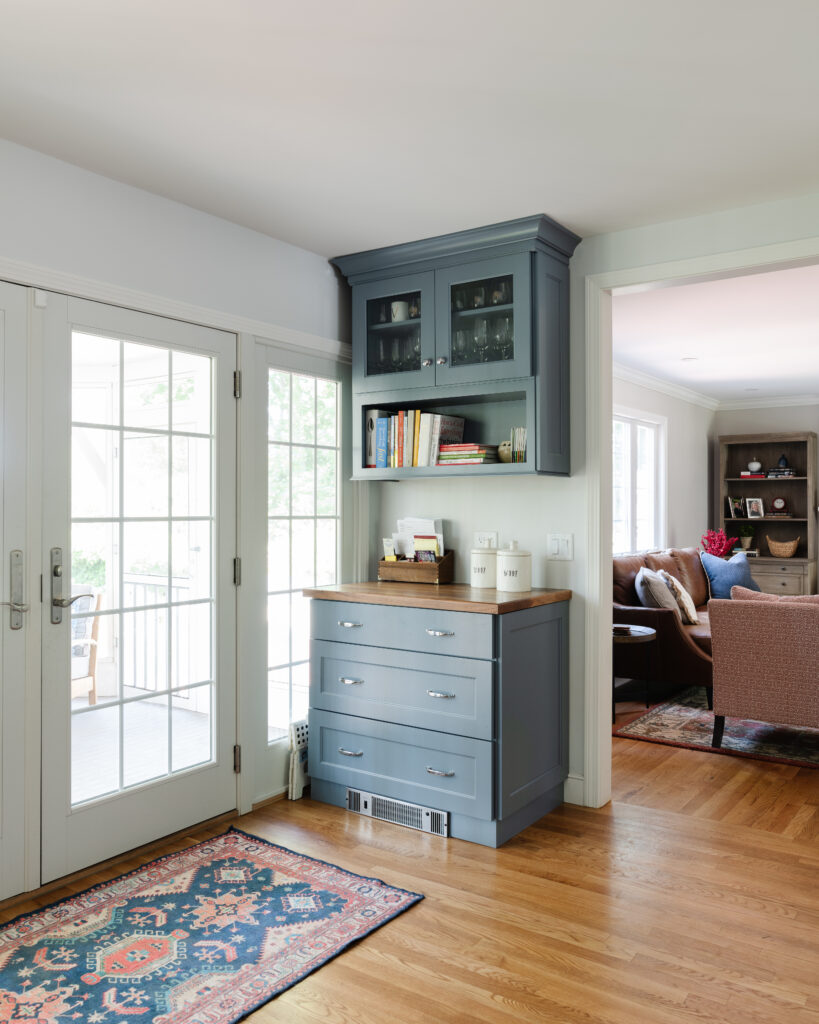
[485,538]
[560,546]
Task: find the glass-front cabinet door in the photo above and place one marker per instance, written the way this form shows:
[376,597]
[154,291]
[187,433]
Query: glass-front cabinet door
[394,333]
[484,321]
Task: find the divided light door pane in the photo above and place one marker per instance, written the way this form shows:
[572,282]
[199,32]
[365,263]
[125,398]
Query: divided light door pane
[140,675]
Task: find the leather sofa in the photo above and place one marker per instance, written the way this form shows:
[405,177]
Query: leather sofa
[682,657]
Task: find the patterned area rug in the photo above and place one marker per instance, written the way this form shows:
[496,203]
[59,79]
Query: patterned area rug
[685,721]
[204,936]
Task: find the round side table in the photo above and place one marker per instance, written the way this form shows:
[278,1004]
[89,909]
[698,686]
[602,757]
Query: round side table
[627,634]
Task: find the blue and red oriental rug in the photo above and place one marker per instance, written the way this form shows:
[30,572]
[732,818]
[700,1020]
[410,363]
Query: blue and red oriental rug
[204,936]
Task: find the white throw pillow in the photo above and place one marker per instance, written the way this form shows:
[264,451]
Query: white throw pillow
[653,591]
[688,609]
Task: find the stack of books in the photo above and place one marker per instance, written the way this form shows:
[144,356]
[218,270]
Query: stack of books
[406,438]
[778,472]
[467,454]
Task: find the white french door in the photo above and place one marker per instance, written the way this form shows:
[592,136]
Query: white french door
[138,621]
[14,622]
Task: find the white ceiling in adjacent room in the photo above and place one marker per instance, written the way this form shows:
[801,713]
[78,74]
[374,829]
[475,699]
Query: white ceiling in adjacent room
[741,340]
[344,126]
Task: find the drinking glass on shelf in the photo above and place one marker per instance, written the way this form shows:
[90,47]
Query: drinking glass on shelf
[507,338]
[458,299]
[481,339]
[395,356]
[415,307]
[460,344]
[415,350]
[500,293]
[478,297]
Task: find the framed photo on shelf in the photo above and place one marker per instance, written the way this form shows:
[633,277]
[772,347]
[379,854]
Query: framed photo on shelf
[736,509]
[754,508]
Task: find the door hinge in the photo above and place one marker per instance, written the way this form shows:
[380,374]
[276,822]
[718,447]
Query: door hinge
[237,383]
[237,759]
[237,572]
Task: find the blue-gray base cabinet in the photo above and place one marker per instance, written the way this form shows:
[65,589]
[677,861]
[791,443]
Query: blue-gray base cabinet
[447,697]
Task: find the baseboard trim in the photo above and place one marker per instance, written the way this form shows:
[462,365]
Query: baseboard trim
[574,790]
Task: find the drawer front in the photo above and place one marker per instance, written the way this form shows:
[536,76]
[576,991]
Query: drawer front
[781,577]
[783,583]
[461,634]
[446,694]
[452,773]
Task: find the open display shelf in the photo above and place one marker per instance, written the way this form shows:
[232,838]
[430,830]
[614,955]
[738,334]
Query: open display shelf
[775,574]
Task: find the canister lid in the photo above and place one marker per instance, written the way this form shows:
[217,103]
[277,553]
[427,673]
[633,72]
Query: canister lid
[513,551]
[484,551]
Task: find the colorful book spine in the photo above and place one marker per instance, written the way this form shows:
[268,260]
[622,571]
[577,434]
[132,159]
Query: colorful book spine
[382,430]
[399,461]
[415,437]
[424,438]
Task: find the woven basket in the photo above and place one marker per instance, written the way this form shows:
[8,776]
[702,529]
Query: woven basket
[782,549]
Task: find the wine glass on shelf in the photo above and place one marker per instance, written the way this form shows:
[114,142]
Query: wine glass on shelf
[481,339]
[507,339]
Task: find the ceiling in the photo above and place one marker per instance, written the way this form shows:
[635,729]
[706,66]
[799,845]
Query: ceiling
[738,341]
[345,126]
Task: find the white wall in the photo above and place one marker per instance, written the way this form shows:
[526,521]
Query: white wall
[62,218]
[689,433]
[530,507]
[728,241]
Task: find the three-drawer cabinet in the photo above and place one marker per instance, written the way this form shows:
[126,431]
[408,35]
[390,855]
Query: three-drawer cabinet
[455,701]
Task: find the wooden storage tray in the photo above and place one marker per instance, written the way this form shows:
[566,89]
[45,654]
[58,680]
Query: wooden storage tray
[442,570]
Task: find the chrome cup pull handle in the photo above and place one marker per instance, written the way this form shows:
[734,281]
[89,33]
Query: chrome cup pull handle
[350,625]
[440,632]
[442,694]
[350,682]
[351,753]
[437,771]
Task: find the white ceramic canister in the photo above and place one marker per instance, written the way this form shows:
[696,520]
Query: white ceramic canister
[514,569]
[483,567]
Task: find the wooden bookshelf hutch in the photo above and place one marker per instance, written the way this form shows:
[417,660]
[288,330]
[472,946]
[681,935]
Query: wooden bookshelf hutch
[775,575]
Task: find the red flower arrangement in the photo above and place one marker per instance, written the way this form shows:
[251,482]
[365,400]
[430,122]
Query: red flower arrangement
[716,543]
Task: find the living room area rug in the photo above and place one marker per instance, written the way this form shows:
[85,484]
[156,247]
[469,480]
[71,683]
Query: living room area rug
[685,721]
[203,936]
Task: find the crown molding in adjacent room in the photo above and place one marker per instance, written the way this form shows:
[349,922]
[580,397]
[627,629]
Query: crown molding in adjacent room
[769,403]
[664,387]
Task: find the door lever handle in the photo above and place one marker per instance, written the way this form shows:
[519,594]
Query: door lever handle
[66,602]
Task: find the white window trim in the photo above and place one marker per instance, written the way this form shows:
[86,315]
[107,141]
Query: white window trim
[264,766]
[660,466]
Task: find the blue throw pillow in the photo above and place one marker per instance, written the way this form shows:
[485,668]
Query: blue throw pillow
[723,575]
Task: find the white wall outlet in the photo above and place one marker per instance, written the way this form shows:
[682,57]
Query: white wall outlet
[560,546]
[485,538]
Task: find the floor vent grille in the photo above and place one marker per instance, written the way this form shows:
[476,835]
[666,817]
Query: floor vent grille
[425,819]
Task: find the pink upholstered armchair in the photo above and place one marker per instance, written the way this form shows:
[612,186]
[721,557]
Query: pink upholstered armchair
[766,661]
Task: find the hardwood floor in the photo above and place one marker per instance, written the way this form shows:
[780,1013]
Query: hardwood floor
[691,897]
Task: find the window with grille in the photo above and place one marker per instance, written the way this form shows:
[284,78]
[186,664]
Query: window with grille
[303,523]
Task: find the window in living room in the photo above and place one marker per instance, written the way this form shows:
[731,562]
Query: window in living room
[638,477]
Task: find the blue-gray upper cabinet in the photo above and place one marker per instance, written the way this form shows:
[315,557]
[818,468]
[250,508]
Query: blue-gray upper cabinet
[483,321]
[473,324]
[394,333]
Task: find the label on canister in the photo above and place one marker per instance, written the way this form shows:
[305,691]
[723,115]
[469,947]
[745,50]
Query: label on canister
[483,568]
[514,570]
